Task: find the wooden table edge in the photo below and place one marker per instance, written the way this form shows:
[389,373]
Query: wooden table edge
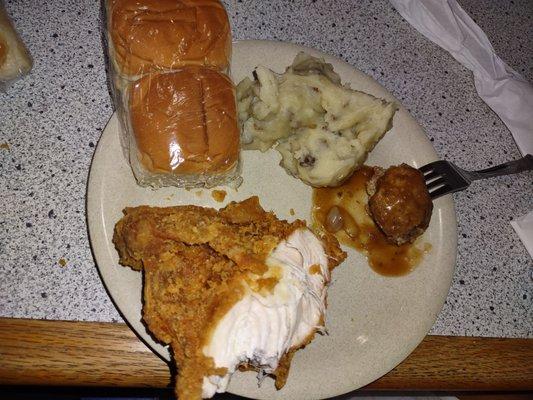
[68,353]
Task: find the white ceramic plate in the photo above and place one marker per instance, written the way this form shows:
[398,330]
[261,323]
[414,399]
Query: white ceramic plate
[373,322]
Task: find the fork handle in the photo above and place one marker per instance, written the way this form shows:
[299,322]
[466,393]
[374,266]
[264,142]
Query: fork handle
[511,167]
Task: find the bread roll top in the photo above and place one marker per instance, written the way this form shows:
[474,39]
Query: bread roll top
[161,35]
[184,122]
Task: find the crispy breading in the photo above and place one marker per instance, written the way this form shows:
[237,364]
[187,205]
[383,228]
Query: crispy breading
[185,289]
[243,231]
[195,262]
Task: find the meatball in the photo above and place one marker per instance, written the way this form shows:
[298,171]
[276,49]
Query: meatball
[400,203]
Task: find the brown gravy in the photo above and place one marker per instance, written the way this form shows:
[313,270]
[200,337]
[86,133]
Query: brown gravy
[358,230]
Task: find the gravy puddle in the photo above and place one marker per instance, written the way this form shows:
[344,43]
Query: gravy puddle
[353,227]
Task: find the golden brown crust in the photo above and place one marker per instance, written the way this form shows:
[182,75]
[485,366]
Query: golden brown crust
[282,372]
[331,246]
[160,35]
[218,195]
[185,122]
[195,262]
[242,232]
[187,289]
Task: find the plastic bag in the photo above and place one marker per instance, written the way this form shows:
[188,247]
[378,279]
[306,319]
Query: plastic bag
[168,63]
[15,60]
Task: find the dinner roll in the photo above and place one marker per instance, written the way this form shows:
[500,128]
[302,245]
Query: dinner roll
[155,35]
[185,126]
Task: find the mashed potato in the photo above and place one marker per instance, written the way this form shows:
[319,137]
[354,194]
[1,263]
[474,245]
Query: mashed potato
[323,130]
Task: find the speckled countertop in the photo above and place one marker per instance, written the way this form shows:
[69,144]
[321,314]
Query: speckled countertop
[53,118]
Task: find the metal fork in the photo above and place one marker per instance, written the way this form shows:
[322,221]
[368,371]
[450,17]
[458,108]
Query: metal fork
[443,177]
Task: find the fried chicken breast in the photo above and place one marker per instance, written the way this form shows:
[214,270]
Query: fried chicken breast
[216,285]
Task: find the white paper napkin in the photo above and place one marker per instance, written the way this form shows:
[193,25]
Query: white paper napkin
[524,229]
[445,23]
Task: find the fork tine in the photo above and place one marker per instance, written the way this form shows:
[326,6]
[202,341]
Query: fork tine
[443,190]
[436,183]
[431,175]
[427,168]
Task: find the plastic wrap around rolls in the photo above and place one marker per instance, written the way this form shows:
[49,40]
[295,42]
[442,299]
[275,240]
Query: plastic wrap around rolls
[184,122]
[161,35]
[168,64]
[15,60]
